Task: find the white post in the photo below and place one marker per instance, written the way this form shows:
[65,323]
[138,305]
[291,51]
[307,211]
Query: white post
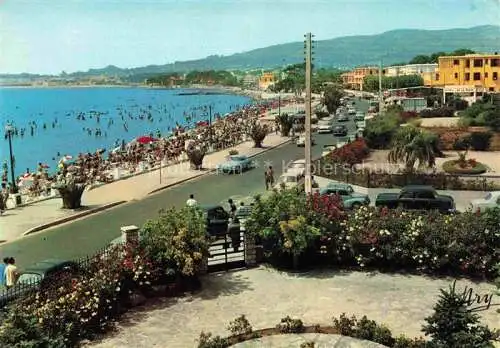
[308,183]
[130,234]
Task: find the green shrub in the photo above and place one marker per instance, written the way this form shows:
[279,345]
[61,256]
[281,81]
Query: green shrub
[405,342]
[308,344]
[322,114]
[380,130]
[240,326]
[345,325]
[285,123]
[206,340]
[480,141]
[289,325]
[453,325]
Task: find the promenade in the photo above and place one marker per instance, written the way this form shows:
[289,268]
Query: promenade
[15,222]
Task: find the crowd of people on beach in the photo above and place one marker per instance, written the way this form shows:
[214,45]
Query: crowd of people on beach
[139,155]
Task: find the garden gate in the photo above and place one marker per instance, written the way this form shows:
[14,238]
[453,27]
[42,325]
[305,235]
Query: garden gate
[228,251]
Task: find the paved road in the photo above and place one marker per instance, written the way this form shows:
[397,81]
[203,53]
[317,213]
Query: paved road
[88,235]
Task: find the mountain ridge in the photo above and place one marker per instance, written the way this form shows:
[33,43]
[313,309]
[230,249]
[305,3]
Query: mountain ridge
[342,52]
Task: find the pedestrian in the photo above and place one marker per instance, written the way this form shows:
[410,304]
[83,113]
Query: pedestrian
[191,202]
[11,273]
[232,207]
[269,176]
[2,270]
[4,195]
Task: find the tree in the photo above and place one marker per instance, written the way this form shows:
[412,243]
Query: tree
[196,156]
[420,59]
[71,191]
[411,146]
[371,82]
[332,97]
[286,123]
[453,325]
[258,133]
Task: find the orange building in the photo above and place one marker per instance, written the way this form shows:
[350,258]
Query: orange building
[266,80]
[354,79]
[475,70]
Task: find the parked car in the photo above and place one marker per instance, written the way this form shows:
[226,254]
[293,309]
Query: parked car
[340,131]
[343,117]
[297,167]
[350,199]
[217,219]
[327,149]
[351,110]
[360,116]
[325,126]
[40,276]
[288,181]
[417,197]
[490,201]
[301,141]
[235,164]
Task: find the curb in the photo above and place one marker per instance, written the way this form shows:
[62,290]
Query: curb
[72,217]
[213,170]
[34,202]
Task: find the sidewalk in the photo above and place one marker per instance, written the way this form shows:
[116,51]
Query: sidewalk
[15,222]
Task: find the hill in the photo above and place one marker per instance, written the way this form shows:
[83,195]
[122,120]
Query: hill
[342,52]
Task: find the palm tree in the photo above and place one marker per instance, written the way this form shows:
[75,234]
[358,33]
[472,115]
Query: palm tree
[411,146]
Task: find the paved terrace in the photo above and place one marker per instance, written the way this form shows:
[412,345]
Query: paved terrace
[266,295]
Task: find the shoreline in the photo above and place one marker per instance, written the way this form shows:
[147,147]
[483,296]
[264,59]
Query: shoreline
[256,95]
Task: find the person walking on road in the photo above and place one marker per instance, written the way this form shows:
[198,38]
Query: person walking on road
[232,207]
[11,273]
[269,177]
[191,202]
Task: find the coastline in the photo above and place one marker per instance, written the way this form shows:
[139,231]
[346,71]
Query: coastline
[256,95]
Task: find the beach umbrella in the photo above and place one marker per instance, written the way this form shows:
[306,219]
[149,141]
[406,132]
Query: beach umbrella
[65,158]
[145,139]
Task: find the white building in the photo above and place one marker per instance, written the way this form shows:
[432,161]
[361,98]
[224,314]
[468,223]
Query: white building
[410,69]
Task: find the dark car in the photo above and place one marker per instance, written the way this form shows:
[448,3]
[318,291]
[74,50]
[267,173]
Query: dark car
[416,197]
[340,131]
[39,276]
[217,220]
[343,117]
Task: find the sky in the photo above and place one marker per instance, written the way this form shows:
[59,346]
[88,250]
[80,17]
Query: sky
[51,36]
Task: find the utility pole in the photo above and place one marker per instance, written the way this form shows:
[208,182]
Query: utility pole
[308,52]
[380,95]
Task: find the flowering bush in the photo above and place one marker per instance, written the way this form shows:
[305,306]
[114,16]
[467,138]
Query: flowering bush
[71,309]
[462,243]
[177,240]
[351,153]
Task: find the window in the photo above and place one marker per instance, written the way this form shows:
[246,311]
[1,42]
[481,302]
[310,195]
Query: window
[456,62]
[495,62]
[467,76]
[437,77]
[467,63]
[485,75]
[425,195]
[491,89]
[486,62]
[477,76]
[495,76]
[456,75]
[343,193]
[478,63]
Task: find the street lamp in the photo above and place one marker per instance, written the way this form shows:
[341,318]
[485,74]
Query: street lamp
[9,129]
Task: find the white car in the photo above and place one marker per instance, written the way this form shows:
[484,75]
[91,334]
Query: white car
[297,167]
[288,181]
[325,126]
[327,149]
[491,200]
[301,141]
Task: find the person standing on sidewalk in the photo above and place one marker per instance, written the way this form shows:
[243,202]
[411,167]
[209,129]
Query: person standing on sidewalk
[232,207]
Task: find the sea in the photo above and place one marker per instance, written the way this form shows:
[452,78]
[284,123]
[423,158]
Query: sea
[54,122]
